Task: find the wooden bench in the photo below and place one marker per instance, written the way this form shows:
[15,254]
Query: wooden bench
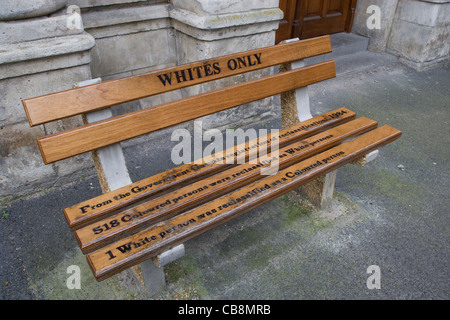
[132,222]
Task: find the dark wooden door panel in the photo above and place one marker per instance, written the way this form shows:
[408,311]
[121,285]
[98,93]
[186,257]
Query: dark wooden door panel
[285,28]
[324,17]
[311,18]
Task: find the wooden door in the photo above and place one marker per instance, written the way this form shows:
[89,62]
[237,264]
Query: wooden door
[311,18]
[289,8]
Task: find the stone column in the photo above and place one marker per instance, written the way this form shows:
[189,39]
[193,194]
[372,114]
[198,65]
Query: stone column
[23,9]
[132,37]
[211,28]
[420,33]
[40,53]
[414,30]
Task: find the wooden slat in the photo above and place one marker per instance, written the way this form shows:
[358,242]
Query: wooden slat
[72,102]
[130,221]
[93,209]
[90,137]
[143,245]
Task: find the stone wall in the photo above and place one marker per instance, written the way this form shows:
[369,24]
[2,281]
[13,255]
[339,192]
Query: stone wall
[214,28]
[414,30]
[420,33]
[41,53]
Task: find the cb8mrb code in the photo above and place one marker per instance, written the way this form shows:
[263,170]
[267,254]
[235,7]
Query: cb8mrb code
[227,309]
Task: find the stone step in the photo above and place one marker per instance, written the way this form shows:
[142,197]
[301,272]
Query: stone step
[362,61]
[342,44]
[351,55]
[347,43]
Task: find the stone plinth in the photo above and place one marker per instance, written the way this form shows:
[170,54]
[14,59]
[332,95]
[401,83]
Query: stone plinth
[207,29]
[420,33]
[23,9]
[414,30]
[37,56]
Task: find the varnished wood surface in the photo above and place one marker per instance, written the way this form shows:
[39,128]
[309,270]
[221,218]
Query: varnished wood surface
[90,137]
[72,102]
[129,251]
[102,205]
[161,208]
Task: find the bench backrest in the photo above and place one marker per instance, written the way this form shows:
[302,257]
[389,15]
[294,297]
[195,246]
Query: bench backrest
[99,96]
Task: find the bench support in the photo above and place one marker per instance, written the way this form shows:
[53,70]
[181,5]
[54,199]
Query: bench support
[113,174]
[153,277]
[295,107]
[153,269]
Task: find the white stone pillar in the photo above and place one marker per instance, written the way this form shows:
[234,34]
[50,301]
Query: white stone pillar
[211,28]
[132,37]
[38,55]
[416,31]
[23,9]
[420,33]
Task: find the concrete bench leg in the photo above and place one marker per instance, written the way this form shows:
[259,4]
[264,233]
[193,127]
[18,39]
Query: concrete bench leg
[153,276]
[320,191]
[153,269]
[295,107]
